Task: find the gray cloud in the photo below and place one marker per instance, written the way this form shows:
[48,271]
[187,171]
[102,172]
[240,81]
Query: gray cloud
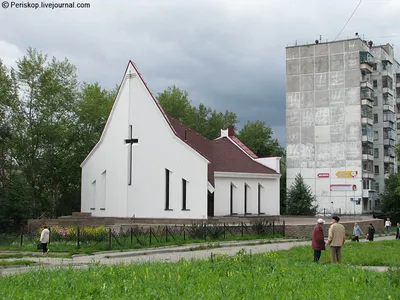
[227,54]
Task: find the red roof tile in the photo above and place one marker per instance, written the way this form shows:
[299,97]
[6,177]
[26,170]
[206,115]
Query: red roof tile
[243,146]
[223,154]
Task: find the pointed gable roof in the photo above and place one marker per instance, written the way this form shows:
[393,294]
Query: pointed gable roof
[131,64]
[225,154]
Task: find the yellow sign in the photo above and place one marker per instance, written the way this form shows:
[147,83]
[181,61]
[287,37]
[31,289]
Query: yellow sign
[346,174]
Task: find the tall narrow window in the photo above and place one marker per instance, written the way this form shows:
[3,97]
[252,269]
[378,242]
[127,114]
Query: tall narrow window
[259,199]
[167,189]
[93,195]
[231,199]
[245,199]
[103,191]
[184,194]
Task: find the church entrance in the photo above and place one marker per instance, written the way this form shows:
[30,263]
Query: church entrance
[210,205]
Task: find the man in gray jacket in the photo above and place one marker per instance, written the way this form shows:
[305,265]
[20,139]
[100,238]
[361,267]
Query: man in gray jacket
[336,238]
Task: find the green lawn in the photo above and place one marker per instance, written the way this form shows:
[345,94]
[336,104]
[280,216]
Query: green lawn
[4,263]
[382,253]
[276,275]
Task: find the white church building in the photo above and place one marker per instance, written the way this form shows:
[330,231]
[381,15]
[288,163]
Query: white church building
[149,165]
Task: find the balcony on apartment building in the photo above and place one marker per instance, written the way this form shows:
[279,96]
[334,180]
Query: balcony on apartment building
[367,188]
[366,80]
[367,169]
[389,119]
[367,93]
[367,115]
[388,169]
[388,155]
[388,103]
[366,133]
[366,61]
[368,175]
[367,152]
[387,85]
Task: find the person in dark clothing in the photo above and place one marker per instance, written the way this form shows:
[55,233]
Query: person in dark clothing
[371,232]
[398,231]
[317,241]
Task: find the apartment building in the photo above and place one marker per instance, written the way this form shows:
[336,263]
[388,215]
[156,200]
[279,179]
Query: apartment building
[341,121]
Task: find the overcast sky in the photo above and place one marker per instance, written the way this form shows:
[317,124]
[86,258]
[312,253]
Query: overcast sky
[228,54]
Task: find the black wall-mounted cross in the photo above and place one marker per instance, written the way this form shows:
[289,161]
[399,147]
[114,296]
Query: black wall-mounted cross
[130,141]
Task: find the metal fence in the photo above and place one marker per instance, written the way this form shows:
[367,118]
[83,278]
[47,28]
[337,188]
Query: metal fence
[130,237]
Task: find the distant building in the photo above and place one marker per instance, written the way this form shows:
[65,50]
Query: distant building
[149,165]
[341,121]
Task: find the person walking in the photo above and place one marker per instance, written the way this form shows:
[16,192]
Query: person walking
[317,240]
[388,224]
[371,232]
[44,239]
[398,231]
[336,238]
[357,232]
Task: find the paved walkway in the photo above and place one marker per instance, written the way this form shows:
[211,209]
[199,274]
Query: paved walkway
[166,254]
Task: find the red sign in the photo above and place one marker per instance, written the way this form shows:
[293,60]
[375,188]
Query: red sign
[323,175]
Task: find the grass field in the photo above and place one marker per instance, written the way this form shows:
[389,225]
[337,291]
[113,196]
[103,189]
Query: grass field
[275,275]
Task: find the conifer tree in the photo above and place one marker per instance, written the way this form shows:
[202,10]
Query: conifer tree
[300,200]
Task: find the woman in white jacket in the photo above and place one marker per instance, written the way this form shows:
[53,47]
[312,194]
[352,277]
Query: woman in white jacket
[44,239]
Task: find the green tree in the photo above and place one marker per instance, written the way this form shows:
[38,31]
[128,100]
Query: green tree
[258,137]
[300,200]
[202,119]
[47,96]
[390,197]
[175,103]
[15,200]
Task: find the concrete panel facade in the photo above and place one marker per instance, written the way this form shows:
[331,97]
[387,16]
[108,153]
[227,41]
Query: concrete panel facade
[326,114]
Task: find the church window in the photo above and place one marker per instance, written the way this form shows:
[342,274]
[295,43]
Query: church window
[184,183]
[167,189]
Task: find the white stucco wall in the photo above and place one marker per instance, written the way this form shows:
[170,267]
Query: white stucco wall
[158,148]
[269,194]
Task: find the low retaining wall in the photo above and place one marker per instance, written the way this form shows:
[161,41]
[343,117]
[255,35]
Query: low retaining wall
[305,231]
[291,230]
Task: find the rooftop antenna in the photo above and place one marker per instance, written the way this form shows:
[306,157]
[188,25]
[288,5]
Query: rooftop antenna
[320,38]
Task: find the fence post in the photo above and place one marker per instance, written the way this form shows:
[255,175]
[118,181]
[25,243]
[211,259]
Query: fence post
[131,235]
[22,236]
[273,227]
[242,228]
[184,232]
[224,232]
[166,233]
[150,235]
[284,227]
[109,238]
[205,231]
[78,237]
